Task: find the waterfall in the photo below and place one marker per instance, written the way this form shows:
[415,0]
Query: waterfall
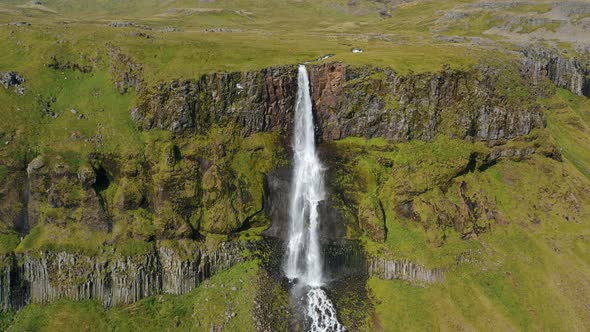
[304,259]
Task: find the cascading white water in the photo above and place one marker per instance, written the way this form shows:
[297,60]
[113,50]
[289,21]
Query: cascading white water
[321,312]
[304,258]
[304,261]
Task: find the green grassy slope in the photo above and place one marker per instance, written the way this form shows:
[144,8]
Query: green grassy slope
[262,33]
[529,272]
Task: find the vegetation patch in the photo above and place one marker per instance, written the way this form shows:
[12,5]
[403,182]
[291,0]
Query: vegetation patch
[73,238]
[8,242]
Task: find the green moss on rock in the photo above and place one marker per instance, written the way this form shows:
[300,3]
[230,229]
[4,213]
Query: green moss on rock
[171,225]
[129,195]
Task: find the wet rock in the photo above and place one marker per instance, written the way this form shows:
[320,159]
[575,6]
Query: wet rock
[13,200]
[13,295]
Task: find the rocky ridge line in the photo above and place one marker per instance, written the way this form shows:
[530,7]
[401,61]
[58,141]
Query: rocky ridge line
[348,101]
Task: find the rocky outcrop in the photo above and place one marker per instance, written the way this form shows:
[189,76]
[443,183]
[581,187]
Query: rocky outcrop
[570,73]
[256,101]
[58,194]
[12,202]
[403,270]
[348,101]
[13,294]
[62,65]
[375,102]
[110,278]
[12,80]
[520,152]
[126,73]
[118,281]
[468,213]
[180,275]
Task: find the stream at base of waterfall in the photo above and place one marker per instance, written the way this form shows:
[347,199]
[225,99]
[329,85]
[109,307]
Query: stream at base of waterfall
[304,263]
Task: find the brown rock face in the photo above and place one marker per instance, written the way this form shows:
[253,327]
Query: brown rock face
[327,84]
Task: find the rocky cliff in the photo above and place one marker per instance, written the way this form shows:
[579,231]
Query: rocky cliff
[110,278]
[256,101]
[403,270]
[348,101]
[571,73]
[374,102]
